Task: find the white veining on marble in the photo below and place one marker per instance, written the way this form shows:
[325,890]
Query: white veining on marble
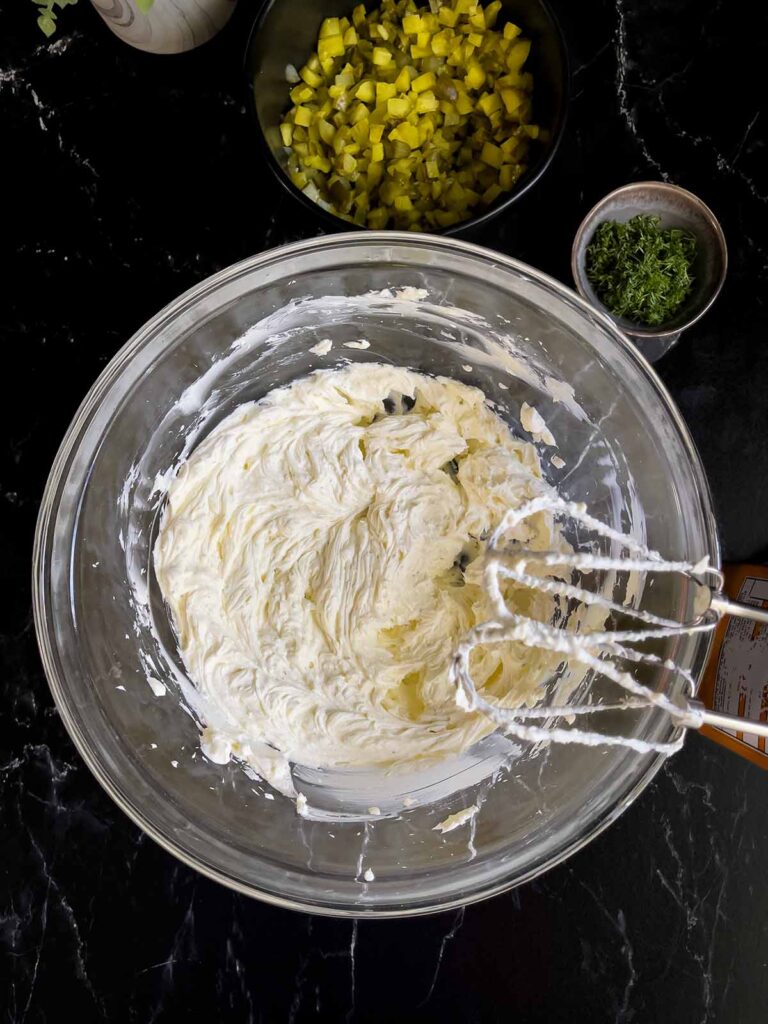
[17,79]
[618,923]
[352,956]
[626,109]
[721,163]
[458,921]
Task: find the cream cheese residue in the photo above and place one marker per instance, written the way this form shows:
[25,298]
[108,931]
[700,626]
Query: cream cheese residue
[456,820]
[320,553]
[532,421]
[159,689]
[322,348]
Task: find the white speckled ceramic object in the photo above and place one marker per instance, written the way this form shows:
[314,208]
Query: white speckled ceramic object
[170,26]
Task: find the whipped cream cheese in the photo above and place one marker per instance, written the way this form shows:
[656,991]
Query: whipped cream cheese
[320,553]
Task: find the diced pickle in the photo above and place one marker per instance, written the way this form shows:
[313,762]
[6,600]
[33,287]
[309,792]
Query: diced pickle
[301,93]
[475,76]
[427,102]
[518,54]
[464,104]
[366,91]
[423,82]
[411,116]
[303,116]
[385,91]
[326,131]
[403,81]
[311,77]
[398,107]
[330,46]
[406,133]
[329,27]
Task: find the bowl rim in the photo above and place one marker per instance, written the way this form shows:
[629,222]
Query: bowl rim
[336,224]
[47,520]
[587,225]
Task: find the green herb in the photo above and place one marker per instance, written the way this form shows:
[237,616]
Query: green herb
[47,14]
[640,271]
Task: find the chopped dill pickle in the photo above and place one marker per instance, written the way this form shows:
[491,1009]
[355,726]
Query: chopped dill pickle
[410,116]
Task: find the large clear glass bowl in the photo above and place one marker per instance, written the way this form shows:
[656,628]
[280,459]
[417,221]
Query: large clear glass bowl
[486,320]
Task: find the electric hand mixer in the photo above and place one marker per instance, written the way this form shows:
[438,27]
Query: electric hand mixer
[608,652]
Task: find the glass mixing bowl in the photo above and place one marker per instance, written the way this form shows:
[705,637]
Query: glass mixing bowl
[108,648]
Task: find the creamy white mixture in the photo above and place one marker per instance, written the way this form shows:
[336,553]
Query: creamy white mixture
[320,555]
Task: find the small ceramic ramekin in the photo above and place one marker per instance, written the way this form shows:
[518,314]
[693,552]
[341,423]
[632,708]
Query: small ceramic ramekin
[677,208]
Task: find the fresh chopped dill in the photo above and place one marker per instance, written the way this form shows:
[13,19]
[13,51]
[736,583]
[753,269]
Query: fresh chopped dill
[639,270]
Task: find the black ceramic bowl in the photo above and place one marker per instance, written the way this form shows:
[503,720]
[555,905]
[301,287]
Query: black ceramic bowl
[285,32]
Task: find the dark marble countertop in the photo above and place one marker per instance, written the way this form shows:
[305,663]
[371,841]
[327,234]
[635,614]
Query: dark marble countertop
[133,177]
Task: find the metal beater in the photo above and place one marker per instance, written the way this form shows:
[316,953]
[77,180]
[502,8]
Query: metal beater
[608,652]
